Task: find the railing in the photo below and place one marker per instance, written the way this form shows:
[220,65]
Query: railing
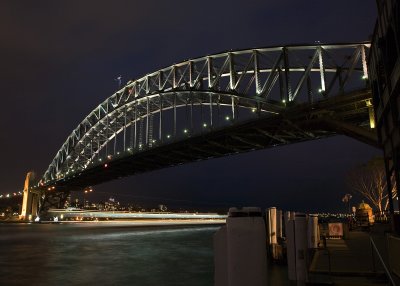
[387,271]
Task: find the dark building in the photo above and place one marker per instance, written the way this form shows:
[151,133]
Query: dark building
[384,73]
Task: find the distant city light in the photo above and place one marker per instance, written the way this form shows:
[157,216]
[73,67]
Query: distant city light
[204,124]
[284,100]
[364,77]
[185,131]
[105,165]
[168,136]
[253,110]
[227,118]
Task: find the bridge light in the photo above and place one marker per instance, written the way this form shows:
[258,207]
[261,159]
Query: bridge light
[253,110]
[8,195]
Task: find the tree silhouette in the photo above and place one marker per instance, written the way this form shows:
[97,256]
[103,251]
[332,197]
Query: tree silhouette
[369,180]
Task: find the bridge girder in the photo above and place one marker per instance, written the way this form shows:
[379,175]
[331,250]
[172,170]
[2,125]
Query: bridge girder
[282,94]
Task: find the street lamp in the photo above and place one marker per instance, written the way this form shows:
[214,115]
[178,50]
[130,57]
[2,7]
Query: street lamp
[84,196]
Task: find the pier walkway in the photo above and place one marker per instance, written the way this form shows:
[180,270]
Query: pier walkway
[350,261]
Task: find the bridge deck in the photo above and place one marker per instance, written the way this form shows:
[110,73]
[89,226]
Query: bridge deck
[336,115]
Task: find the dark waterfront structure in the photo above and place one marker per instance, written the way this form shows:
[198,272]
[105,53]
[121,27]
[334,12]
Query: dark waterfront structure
[384,71]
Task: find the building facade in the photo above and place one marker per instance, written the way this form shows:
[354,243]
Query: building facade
[384,77]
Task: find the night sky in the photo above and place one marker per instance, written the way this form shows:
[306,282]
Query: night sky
[59,60]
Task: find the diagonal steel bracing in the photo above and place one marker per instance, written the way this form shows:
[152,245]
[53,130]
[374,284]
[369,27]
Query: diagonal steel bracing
[217,105]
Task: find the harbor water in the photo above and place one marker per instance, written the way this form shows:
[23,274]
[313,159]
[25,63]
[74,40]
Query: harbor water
[110,254]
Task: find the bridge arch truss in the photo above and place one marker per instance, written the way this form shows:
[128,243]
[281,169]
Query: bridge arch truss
[205,94]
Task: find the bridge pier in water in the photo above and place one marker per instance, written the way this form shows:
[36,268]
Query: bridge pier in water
[31,199]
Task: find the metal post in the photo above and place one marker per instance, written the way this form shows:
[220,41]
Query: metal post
[160,123]
[125,129]
[201,113]
[256,72]
[174,115]
[98,147]
[107,126]
[286,63]
[233,107]
[191,112]
[186,113]
[115,143]
[364,62]
[321,69]
[211,112]
[232,82]
[147,121]
[115,135]
[134,142]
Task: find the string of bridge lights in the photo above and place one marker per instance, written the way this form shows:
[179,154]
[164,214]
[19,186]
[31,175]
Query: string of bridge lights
[10,195]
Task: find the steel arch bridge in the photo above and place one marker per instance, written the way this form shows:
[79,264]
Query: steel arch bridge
[217,105]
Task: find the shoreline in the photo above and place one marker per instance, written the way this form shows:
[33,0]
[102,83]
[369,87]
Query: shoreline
[130,222]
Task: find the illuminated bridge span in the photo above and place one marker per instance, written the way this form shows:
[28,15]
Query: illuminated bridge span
[213,106]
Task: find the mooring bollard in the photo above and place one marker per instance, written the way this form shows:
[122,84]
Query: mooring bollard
[301,246]
[271,225]
[290,246]
[313,236]
[246,256]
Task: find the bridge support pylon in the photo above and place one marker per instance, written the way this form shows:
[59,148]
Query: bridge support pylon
[30,201]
